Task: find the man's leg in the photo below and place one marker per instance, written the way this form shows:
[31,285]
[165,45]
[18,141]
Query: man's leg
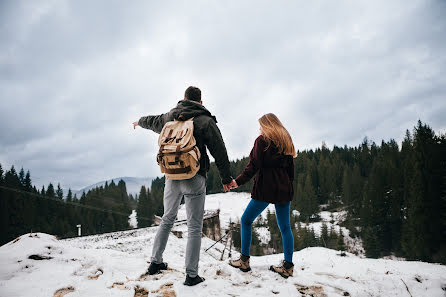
[194,196]
[171,200]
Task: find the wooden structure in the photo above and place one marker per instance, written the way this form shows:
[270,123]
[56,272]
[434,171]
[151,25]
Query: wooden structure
[211,225]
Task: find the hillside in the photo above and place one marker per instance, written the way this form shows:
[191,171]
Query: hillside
[114,265]
[233,204]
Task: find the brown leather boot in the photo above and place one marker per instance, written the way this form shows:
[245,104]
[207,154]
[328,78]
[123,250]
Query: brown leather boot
[286,269]
[242,263]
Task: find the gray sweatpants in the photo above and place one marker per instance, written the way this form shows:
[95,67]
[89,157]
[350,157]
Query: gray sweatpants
[194,192]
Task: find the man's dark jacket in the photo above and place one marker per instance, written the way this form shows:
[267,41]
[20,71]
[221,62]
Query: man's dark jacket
[206,134]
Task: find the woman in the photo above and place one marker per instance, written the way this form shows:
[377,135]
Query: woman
[272,160]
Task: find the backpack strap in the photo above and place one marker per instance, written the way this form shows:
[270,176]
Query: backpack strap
[177,153]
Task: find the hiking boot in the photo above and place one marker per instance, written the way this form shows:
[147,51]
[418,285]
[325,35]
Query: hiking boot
[156,268]
[192,281]
[285,269]
[242,263]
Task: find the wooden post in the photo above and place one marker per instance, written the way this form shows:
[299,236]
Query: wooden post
[230,238]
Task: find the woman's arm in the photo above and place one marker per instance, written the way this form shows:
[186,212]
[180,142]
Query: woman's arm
[255,161]
[290,170]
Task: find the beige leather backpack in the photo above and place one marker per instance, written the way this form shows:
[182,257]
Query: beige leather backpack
[178,156]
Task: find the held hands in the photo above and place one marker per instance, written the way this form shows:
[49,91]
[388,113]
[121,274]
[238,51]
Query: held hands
[135,124]
[230,186]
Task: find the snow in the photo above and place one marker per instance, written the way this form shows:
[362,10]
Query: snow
[231,205]
[114,264]
[133,220]
[338,217]
[264,234]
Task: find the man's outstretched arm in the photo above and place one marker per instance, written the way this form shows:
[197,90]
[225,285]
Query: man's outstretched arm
[154,123]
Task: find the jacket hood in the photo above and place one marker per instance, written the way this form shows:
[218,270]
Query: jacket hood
[187,109]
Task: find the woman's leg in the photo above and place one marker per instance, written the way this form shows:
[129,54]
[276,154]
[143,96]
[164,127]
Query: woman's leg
[252,211]
[283,220]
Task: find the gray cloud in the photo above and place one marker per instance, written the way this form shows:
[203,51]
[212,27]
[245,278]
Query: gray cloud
[74,75]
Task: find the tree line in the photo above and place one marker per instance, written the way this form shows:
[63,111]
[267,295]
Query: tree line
[24,208]
[394,196]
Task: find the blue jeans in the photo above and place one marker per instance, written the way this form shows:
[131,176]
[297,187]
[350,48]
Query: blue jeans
[252,211]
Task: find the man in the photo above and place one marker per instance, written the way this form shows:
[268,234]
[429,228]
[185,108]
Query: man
[208,135]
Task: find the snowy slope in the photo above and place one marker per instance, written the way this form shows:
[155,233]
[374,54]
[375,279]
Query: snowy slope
[114,265]
[233,204]
[133,222]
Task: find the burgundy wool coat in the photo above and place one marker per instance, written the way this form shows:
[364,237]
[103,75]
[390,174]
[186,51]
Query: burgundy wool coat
[274,173]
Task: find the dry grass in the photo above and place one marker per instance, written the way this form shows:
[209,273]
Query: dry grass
[62,292]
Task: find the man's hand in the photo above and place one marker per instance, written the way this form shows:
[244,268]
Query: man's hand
[230,186]
[135,124]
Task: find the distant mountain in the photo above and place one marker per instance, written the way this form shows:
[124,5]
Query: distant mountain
[133,184]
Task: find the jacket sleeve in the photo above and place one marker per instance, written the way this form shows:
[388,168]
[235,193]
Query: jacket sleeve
[290,170]
[255,162]
[155,123]
[215,144]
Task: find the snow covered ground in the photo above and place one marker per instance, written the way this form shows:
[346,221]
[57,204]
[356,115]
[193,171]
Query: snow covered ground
[133,221]
[114,264]
[233,204]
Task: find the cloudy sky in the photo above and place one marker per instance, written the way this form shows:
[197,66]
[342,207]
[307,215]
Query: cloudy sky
[74,75]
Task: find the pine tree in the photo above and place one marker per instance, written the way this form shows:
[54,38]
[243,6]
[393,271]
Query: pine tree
[340,243]
[346,186]
[28,182]
[332,238]
[15,204]
[83,198]
[59,192]
[423,223]
[22,177]
[12,179]
[311,206]
[50,191]
[157,194]
[314,240]
[1,174]
[324,234]
[371,243]
[69,196]
[145,208]
[4,210]
[275,241]
[299,201]
[297,235]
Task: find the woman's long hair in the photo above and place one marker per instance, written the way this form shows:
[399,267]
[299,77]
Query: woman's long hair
[273,131]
